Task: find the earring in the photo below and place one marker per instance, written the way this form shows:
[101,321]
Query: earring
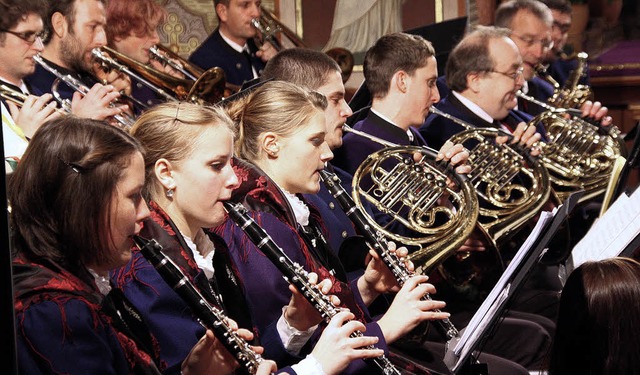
[169,193]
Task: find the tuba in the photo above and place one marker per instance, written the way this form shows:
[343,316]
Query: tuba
[268,25]
[436,217]
[579,155]
[572,94]
[207,88]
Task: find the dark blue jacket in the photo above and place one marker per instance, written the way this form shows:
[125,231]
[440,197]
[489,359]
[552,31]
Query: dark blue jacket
[214,51]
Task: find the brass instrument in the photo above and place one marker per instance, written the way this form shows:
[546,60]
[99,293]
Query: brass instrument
[572,94]
[512,185]
[417,197]
[268,25]
[168,57]
[124,120]
[579,155]
[208,88]
[18,97]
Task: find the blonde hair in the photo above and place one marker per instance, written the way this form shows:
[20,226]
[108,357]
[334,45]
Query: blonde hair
[170,131]
[278,107]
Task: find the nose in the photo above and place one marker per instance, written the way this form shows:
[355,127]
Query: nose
[38,45]
[345,110]
[155,38]
[435,95]
[326,154]
[100,38]
[254,11]
[143,211]
[232,178]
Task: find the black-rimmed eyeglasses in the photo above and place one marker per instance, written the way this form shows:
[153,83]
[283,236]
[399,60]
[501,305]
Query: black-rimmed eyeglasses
[28,36]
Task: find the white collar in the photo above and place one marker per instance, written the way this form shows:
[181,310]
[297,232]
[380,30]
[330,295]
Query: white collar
[300,209]
[201,244]
[473,107]
[22,85]
[385,118]
[233,44]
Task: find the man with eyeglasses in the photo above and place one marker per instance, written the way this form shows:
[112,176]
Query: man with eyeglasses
[21,31]
[558,60]
[530,22]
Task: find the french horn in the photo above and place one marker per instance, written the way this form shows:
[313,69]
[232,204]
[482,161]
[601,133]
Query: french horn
[436,207]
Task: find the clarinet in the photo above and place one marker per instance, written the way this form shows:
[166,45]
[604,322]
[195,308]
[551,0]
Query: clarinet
[380,245]
[209,316]
[295,274]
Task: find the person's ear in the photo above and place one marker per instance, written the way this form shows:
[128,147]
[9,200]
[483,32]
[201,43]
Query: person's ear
[164,174]
[269,145]
[59,25]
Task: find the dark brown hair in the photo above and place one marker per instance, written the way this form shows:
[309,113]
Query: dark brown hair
[14,11]
[301,66]
[61,191]
[599,320]
[65,7]
[392,53]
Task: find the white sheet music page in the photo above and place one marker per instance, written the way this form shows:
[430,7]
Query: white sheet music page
[612,232]
[498,295]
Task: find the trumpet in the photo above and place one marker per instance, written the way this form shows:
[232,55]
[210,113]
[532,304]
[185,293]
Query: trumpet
[18,97]
[168,57]
[124,120]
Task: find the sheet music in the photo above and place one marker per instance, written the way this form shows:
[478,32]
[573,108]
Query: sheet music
[611,233]
[498,295]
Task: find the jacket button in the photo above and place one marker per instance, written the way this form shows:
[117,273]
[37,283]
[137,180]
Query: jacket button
[344,234]
[331,205]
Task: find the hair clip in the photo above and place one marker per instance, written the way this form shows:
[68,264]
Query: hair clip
[74,167]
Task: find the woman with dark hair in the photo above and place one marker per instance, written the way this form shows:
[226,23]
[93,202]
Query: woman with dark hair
[599,320]
[188,166]
[76,202]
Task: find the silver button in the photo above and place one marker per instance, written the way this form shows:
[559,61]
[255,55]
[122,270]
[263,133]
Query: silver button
[331,205]
[344,234]
[238,66]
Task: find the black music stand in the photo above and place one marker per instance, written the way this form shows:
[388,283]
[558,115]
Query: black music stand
[633,160]
[6,288]
[458,363]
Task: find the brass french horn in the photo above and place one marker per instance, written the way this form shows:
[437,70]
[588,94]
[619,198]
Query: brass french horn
[436,216]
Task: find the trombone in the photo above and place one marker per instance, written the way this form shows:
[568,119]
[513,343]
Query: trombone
[207,87]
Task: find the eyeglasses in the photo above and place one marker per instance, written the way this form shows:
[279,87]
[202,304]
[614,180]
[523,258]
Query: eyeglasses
[514,76]
[546,44]
[28,36]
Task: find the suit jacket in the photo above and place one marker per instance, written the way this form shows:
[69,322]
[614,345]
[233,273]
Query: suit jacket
[538,89]
[214,51]
[561,69]
[169,318]
[437,129]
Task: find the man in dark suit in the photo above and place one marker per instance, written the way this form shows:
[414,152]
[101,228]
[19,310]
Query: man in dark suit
[232,45]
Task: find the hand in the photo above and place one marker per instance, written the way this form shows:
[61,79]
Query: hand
[34,112]
[377,277]
[408,309]
[96,104]
[336,348]
[596,111]
[267,368]
[209,356]
[475,242]
[120,81]
[266,51]
[455,155]
[525,136]
[300,314]
[166,68]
